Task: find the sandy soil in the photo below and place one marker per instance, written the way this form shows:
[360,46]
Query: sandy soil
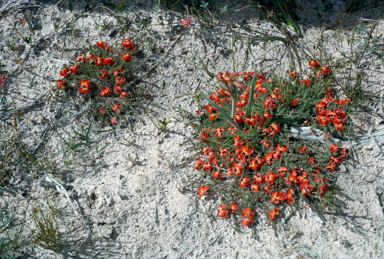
[136,210]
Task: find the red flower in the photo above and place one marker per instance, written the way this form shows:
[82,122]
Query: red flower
[343,152]
[311,160]
[74,69]
[117,89]
[273,214]
[64,72]
[105,91]
[108,61]
[113,120]
[307,82]
[219,131]
[268,103]
[338,126]
[270,177]
[292,74]
[222,212]
[216,175]
[198,163]
[120,80]
[247,215]
[102,111]
[244,181]
[282,170]
[116,72]
[90,57]
[325,69]
[333,147]
[313,63]
[99,61]
[79,58]
[290,195]
[303,149]
[127,43]
[232,207]
[59,83]
[83,90]
[123,94]
[202,190]
[85,83]
[212,116]
[126,56]
[104,73]
[100,44]
[322,120]
[207,166]
[294,102]
[115,107]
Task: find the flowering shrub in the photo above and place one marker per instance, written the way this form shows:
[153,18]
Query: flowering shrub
[103,75]
[248,155]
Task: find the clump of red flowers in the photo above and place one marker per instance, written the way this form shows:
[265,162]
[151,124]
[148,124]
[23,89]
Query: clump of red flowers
[247,152]
[103,72]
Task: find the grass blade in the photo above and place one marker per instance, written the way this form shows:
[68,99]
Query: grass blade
[250,98]
[221,111]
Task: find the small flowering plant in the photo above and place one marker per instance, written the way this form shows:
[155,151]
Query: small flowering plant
[104,75]
[248,155]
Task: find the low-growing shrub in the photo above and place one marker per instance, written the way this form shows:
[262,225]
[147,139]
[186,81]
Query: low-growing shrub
[249,156]
[104,76]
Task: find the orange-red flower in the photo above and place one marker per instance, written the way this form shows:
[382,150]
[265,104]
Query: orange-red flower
[115,107]
[270,177]
[313,63]
[64,72]
[322,120]
[124,94]
[303,149]
[232,207]
[273,214]
[99,61]
[219,131]
[212,116]
[74,68]
[247,215]
[83,90]
[102,111]
[198,163]
[105,91]
[120,80]
[282,170]
[202,190]
[126,56]
[116,72]
[108,61]
[127,43]
[311,160]
[333,147]
[292,74]
[244,181]
[104,73]
[265,142]
[85,83]
[113,120]
[290,195]
[222,212]
[343,152]
[117,89]
[307,82]
[268,103]
[294,102]
[79,58]
[90,57]
[217,174]
[59,83]
[100,43]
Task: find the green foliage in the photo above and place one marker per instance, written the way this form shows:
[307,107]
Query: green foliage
[257,163]
[46,233]
[103,81]
[9,243]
